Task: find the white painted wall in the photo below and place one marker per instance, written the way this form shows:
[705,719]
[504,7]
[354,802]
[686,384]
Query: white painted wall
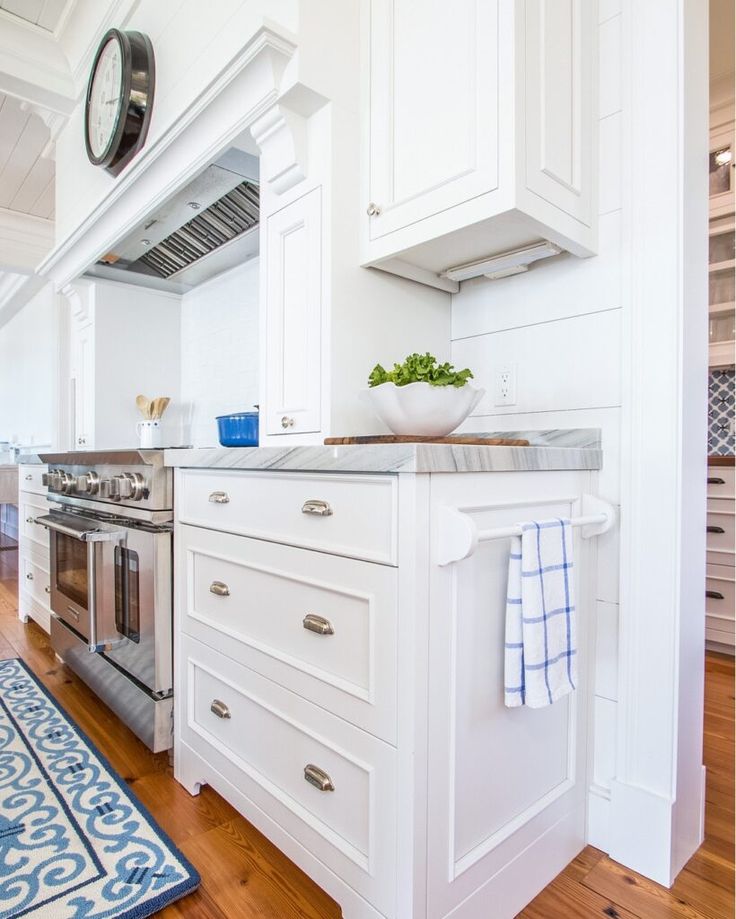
[219,351]
[561,326]
[28,370]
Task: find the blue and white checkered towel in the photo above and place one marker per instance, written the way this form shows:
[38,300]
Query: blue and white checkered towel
[541,648]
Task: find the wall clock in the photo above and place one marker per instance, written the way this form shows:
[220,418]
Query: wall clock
[119,99]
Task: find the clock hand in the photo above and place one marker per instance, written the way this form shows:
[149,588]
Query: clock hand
[111,101]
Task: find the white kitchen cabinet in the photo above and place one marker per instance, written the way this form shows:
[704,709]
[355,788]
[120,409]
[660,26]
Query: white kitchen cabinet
[123,340]
[479,120]
[34,588]
[82,383]
[293,295]
[347,697]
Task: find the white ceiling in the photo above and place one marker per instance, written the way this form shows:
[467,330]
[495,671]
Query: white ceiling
[26,177]
[46,14]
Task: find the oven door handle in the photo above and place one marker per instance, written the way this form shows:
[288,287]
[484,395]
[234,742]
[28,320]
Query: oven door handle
[91,535]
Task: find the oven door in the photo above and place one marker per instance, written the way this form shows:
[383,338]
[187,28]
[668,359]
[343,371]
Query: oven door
[111,583]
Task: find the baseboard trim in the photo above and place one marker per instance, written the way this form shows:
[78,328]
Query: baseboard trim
[599,815]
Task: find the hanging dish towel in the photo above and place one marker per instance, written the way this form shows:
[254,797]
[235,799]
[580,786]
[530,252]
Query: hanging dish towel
[541,649]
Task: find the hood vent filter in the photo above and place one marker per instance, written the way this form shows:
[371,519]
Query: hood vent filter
[230,216]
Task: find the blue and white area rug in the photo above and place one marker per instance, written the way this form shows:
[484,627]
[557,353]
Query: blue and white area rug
[74,843]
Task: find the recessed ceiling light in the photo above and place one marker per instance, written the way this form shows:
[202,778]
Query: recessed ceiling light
[195,205]
[145,242]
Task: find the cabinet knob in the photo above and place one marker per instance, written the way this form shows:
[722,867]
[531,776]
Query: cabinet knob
[219,589]
[373,210]
[287,422]
[29,477]
[29,576]
[219,497]
[220,709]
[314,623]
[317,508]
[30,520]
[318,777]
[47,589]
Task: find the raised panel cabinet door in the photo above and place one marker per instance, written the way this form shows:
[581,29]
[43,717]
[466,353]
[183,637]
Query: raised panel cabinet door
[294,316]
[82,384]
[560,42]
[433,110]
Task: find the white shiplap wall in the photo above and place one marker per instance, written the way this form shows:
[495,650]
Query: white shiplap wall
[219,351]
[26,170]
[560,325]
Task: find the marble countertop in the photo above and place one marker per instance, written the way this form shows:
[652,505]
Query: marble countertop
[549,450]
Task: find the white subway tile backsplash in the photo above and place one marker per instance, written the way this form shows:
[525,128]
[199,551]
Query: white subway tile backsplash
[220,350]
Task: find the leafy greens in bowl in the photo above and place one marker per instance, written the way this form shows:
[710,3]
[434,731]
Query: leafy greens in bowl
[421,397]
[420,368]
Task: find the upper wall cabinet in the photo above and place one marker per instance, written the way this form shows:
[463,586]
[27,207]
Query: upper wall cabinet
[479,118]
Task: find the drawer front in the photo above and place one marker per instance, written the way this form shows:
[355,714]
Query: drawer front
[321,625]
[265,740]
[35,580]
[351,515]
[720,534]
[720,597]
[29,478]
[721,481]
[31,507]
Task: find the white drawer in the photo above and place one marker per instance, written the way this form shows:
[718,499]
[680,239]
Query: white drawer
[251,600]
[35,580]
[720,535]
[30,608]
[273,505]
[29,478]
[263,745]
[721,481]
[719,593]
[30,507]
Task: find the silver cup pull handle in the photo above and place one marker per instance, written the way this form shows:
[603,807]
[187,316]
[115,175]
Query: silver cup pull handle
[219,589]
[317,508]
[220,709]
[219,497]
[318,624]
[318,777]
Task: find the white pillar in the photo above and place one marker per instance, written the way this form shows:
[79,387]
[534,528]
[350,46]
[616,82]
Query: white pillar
[657,797]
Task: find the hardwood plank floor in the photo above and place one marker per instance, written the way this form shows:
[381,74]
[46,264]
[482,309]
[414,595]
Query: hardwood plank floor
[244,875]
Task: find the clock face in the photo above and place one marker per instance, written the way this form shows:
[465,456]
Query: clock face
[105,97]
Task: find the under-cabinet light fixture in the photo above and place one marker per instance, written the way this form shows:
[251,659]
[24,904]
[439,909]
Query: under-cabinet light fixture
[501,266]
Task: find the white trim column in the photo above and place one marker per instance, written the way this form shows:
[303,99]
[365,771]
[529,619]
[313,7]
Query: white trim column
[657,797]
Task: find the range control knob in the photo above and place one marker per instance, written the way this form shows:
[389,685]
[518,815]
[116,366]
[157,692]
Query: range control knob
[131,485]
[61,482]
[89,483]
[106,488]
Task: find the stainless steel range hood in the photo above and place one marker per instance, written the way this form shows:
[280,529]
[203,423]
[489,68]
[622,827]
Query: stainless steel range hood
[206,228]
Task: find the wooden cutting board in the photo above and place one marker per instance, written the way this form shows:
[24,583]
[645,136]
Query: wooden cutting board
[416,439]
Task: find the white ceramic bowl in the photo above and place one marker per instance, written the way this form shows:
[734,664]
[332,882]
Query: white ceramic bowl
[422,409]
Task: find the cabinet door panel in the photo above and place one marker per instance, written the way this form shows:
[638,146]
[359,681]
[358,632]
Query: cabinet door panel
[294,315]
[559,57]
[433,107]
[83,385]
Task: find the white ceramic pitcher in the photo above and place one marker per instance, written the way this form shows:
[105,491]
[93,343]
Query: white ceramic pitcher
[149,433]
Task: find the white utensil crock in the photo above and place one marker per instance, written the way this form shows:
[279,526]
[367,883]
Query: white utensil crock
[149,433]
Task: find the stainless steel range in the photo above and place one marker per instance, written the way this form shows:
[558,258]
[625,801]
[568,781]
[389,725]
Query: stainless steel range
[110,530]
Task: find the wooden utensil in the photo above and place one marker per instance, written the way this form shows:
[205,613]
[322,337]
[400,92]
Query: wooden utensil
[160,404]
[144,405]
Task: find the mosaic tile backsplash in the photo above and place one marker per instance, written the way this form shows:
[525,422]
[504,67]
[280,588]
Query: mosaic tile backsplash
[721,399]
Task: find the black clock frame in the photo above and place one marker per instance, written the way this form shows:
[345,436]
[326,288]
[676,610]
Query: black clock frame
[136,100]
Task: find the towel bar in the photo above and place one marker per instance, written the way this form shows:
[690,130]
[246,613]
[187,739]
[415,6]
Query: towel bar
[459,535]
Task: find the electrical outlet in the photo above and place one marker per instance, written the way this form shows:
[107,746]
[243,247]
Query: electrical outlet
[506,385]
